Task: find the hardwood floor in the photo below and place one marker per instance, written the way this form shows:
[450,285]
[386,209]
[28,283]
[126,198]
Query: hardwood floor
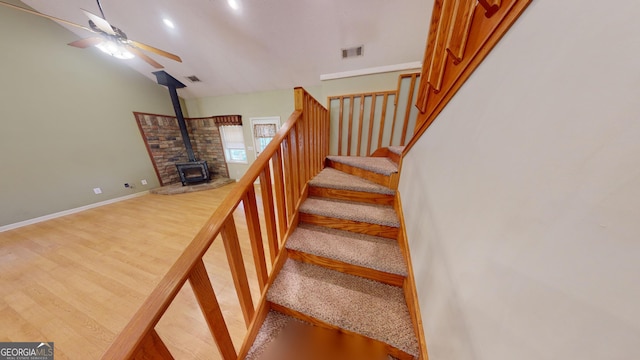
[77,280]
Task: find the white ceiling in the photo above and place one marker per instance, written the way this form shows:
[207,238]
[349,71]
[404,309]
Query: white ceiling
[265,45]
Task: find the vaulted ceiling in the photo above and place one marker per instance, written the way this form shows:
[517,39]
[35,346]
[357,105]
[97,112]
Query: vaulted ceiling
[262,45]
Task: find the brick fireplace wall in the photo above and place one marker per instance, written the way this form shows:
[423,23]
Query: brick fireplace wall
[164,143]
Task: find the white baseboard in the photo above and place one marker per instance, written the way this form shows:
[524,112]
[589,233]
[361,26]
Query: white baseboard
[69,212]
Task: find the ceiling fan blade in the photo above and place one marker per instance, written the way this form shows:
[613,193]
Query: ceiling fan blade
[46,16]
[156,50]
[144,57]
[85,43]
[101,23]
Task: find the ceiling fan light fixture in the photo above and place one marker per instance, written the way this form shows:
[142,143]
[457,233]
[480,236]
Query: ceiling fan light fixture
[168,23]
[233,4]
[114,49]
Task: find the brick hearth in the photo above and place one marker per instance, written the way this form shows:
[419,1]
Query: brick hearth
[164,143]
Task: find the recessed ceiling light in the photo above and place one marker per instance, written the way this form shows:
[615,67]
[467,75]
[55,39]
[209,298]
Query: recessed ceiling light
[234,4]
[168,23]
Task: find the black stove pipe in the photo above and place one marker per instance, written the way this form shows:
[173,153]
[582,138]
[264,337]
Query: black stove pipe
[172,84]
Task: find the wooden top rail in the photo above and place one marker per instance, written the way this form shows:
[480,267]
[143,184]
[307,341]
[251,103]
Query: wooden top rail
[150,312]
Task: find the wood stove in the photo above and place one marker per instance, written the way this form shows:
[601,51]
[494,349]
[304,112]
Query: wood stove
[193,172]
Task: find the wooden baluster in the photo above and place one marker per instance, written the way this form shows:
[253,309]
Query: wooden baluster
[360,124]
[308,117]
[341,114]
[152,347]
[278,183]
[372,115]
[491,7]
[269,215]
[382,119]
[407,112]
[288,180]
[438,62]
[302,177]
[238,272]
[461,29]
[315,135]
[324,138]
[351,98]
[203,290]
[295,185]
[395,114]
[255,235]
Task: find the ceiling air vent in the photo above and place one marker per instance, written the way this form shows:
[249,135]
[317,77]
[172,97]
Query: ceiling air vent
[353,52]
[193,78]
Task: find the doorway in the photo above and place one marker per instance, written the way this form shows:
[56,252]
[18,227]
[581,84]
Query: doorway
[264,129]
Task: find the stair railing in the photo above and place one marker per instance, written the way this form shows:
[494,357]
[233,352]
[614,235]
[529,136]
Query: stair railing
[293,157]
[365,122]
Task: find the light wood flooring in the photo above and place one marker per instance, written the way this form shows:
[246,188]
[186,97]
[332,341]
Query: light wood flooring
[78,279]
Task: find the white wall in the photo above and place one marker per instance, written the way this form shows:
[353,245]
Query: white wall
[522,200]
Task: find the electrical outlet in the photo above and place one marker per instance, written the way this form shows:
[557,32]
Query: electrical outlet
[143,181]
[97,191]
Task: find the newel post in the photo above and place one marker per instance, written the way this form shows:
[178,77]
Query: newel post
[298,94]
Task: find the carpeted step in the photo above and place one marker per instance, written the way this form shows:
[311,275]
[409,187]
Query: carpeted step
[378,165]
[347,210]
[271,327]
[380,170]
[362,250]
[371,219]
[396,149]
[363,306]
[282,337]
[331,183]
[334,179]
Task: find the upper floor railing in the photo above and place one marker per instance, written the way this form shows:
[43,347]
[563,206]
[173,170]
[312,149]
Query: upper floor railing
[364,122]
[294,156]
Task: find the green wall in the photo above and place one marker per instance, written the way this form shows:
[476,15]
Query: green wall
[66,122]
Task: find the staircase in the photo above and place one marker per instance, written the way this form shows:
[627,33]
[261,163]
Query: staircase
[344,269]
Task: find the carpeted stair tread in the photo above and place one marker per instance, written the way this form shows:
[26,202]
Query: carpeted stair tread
[346,210]
[358,249]
[367,307]
[271,327]
[396,149]
[335,179]
[378,165]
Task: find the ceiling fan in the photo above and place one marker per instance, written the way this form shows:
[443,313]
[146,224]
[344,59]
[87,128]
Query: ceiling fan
[110,39]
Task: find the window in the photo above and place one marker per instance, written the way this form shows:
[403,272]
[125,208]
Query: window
[264,129]
[233,143]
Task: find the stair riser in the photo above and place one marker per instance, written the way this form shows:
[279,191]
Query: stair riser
[354,226]
[349,195]
[367,273]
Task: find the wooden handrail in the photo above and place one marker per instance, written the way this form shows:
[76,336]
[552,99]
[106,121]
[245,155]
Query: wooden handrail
[292,151]
[460,37]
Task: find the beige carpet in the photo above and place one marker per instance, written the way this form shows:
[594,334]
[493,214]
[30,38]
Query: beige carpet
[177,188]
[378,165]
[367,307]
[346,210]
[396,149]
[335,179]
[358,249]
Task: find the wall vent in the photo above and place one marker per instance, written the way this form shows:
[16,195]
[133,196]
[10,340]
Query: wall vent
[193,78]
[353,52]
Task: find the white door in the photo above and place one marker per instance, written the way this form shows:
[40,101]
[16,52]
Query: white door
[264,129]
